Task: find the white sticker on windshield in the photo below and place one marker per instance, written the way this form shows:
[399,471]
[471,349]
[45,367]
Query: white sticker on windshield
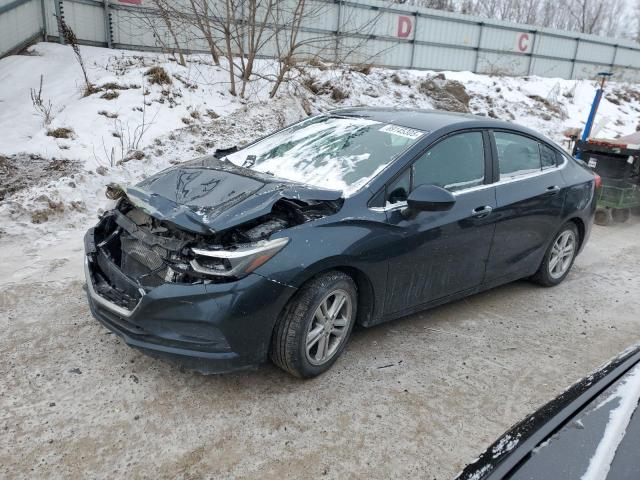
[402,131]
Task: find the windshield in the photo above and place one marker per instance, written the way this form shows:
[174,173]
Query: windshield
[328,152]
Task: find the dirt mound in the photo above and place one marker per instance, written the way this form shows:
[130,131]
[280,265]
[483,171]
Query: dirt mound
[21,171]
[449,95]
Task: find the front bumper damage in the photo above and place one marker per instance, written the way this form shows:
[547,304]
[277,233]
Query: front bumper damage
[209,327]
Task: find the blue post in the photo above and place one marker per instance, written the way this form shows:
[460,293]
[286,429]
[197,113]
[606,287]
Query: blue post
[592,115]
[594,109]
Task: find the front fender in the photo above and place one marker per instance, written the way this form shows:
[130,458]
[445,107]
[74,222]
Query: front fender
[355,244]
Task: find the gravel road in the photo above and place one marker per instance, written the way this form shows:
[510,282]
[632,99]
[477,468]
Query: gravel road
[421,396]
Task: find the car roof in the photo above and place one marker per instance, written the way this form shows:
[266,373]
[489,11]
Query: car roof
[429,120]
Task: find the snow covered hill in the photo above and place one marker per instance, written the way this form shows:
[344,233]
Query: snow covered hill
[148,112]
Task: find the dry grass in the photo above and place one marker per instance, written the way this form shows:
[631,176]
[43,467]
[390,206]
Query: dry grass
[363,68]
[104,113]
[317,63]
[551,106]
[311,85]
[61,132]
[90,89]
[158,76]
[113,86]
[110,95]
[398,80]
[338,94]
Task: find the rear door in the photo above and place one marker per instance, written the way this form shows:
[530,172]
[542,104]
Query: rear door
[530,194]
[435,254]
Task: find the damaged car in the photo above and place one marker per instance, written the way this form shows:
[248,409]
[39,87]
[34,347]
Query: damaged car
[358,216]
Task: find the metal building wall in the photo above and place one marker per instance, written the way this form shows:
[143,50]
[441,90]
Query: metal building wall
[362,31]
[20,23]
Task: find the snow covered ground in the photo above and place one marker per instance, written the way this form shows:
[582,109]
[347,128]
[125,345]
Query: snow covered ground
[132,127]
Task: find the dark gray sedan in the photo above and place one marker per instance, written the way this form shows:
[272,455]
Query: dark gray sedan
[356,216]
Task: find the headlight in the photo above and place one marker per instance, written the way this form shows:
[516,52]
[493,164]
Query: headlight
[238,262]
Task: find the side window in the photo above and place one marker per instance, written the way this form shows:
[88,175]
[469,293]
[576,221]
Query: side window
[398,190]
[548,156]
[517,155]
[455,163]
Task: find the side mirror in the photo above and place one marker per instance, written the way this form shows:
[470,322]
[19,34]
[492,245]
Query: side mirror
[430,198]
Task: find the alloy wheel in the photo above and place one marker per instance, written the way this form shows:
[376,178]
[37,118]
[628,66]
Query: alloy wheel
[562,254]
[328,327]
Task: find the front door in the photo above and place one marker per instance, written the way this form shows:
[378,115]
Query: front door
[435,254]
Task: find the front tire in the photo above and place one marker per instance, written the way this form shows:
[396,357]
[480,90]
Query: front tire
[315,326]
[559,257]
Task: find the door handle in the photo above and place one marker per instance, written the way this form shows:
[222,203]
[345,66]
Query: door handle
[552,190]
[481,212]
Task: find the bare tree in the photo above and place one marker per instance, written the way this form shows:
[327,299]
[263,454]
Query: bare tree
[165,26]
[201,14]
[596,17]
[241,31]
[286,54]
[290,45]
[586,14]
[253,31]
[164,11]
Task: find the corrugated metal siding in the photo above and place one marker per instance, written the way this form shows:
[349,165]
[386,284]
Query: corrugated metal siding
[555,46]
[87,21]
[50,19]
[429,29]
[628,58]
[503,64]
[372,31]
[444,58]
[595,53]
[544,67]
[18,24]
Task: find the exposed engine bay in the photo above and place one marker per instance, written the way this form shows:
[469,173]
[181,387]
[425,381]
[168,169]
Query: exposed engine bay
[152,252]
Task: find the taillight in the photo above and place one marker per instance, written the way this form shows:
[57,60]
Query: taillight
[598,180]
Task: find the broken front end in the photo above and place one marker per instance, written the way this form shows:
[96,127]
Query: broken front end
[191,296]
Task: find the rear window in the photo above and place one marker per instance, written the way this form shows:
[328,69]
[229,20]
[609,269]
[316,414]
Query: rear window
[517,155]
[327,151]
[548,156]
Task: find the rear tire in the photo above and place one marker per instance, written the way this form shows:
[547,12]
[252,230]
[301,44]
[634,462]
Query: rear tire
[315,325]
[559,257]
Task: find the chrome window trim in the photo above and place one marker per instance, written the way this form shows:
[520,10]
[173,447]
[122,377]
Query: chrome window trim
[483,186]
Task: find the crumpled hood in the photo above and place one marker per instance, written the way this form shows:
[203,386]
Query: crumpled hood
[207,195]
